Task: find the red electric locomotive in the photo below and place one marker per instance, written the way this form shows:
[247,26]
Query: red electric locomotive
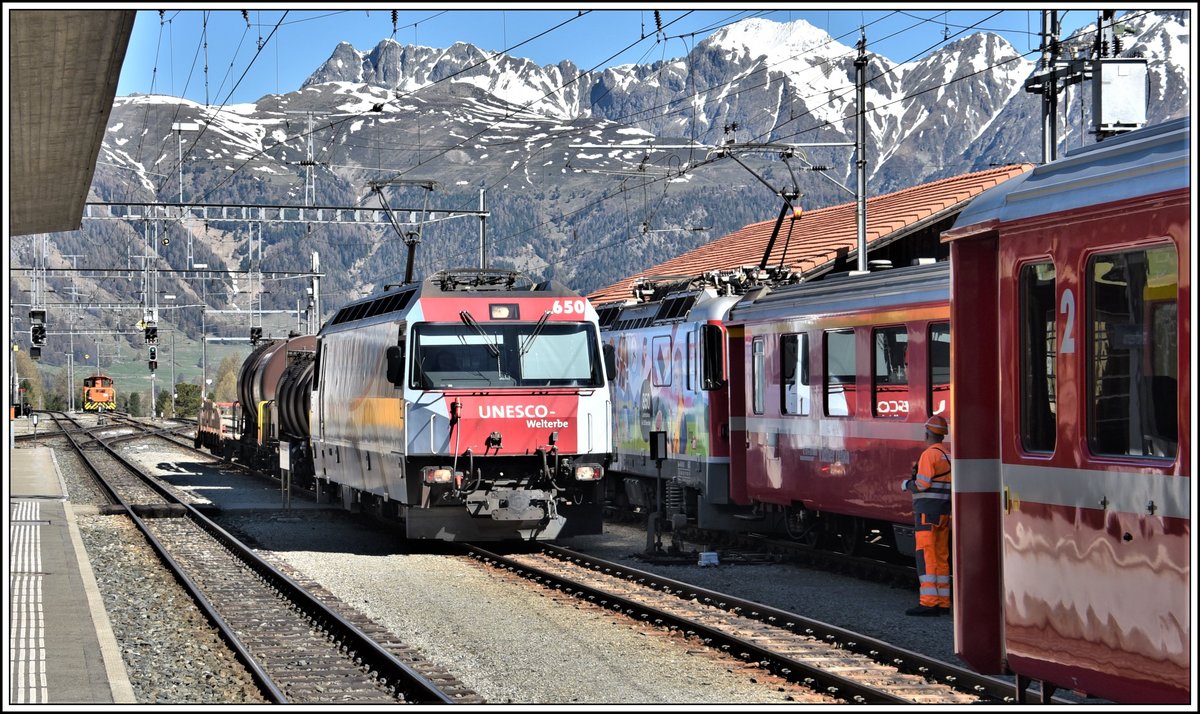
[472,405]
[832,384]
[1071,422]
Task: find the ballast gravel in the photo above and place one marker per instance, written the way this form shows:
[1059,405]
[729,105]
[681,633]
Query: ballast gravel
[513,643]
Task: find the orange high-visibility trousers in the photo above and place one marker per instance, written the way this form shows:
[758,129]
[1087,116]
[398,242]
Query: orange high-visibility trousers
[933,559]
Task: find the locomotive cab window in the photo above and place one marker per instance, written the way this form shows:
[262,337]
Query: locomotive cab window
[449,356]
[840,376]
[890,383]
[690,369]
[797,394]
[1039,353]
[660,361]
[1133,353]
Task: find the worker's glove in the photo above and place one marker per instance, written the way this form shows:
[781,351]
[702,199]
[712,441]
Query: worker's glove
[904,484]
[914,469]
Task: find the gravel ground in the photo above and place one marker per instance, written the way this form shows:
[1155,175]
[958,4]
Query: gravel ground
[511,642]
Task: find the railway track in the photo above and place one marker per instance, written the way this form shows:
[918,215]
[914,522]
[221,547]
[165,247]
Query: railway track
[298,648]
[832,663]
[829,660]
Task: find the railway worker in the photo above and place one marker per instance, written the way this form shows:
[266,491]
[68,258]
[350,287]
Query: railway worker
[930,487]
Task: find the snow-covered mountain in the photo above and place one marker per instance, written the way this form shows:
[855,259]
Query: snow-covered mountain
[588,175]
[793,82]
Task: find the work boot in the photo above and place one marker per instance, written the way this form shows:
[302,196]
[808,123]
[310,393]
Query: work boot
[923,611]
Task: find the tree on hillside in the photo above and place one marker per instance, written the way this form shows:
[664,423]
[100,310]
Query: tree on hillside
[187,399]
[225,385]
[30,377]
[134,404]
[57,391]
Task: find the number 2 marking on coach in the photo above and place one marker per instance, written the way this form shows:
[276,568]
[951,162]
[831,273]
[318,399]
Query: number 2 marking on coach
[1067,307]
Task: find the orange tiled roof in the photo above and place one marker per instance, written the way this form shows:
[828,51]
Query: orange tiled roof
[817,235]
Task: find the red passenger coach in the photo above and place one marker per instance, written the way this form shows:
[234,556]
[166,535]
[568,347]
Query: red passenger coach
[832,384]
[1072,488]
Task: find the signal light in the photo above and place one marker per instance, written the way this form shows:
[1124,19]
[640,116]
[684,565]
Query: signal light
[37,334]
[153,353]
[255,335]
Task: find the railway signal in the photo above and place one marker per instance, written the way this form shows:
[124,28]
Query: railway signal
[153,358]
[255,335]
[151,334]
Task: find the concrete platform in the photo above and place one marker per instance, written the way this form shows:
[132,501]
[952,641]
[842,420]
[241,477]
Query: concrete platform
[61,646]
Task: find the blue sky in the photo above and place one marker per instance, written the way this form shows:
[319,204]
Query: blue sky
[168,55]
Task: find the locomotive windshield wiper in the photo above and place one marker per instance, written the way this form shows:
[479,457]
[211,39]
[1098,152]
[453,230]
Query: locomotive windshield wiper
[470,321]
[537,330]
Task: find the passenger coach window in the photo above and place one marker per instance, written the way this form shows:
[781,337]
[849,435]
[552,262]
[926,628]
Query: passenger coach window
[757,378]
[1133,353]
[839,373]
[891,372]
[794,358]
[1039,337]
[939,368]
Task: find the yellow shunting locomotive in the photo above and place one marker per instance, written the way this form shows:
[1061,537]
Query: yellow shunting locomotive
[99,395]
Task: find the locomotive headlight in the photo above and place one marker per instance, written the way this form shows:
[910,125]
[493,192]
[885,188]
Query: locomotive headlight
[434,475]
[588,472]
